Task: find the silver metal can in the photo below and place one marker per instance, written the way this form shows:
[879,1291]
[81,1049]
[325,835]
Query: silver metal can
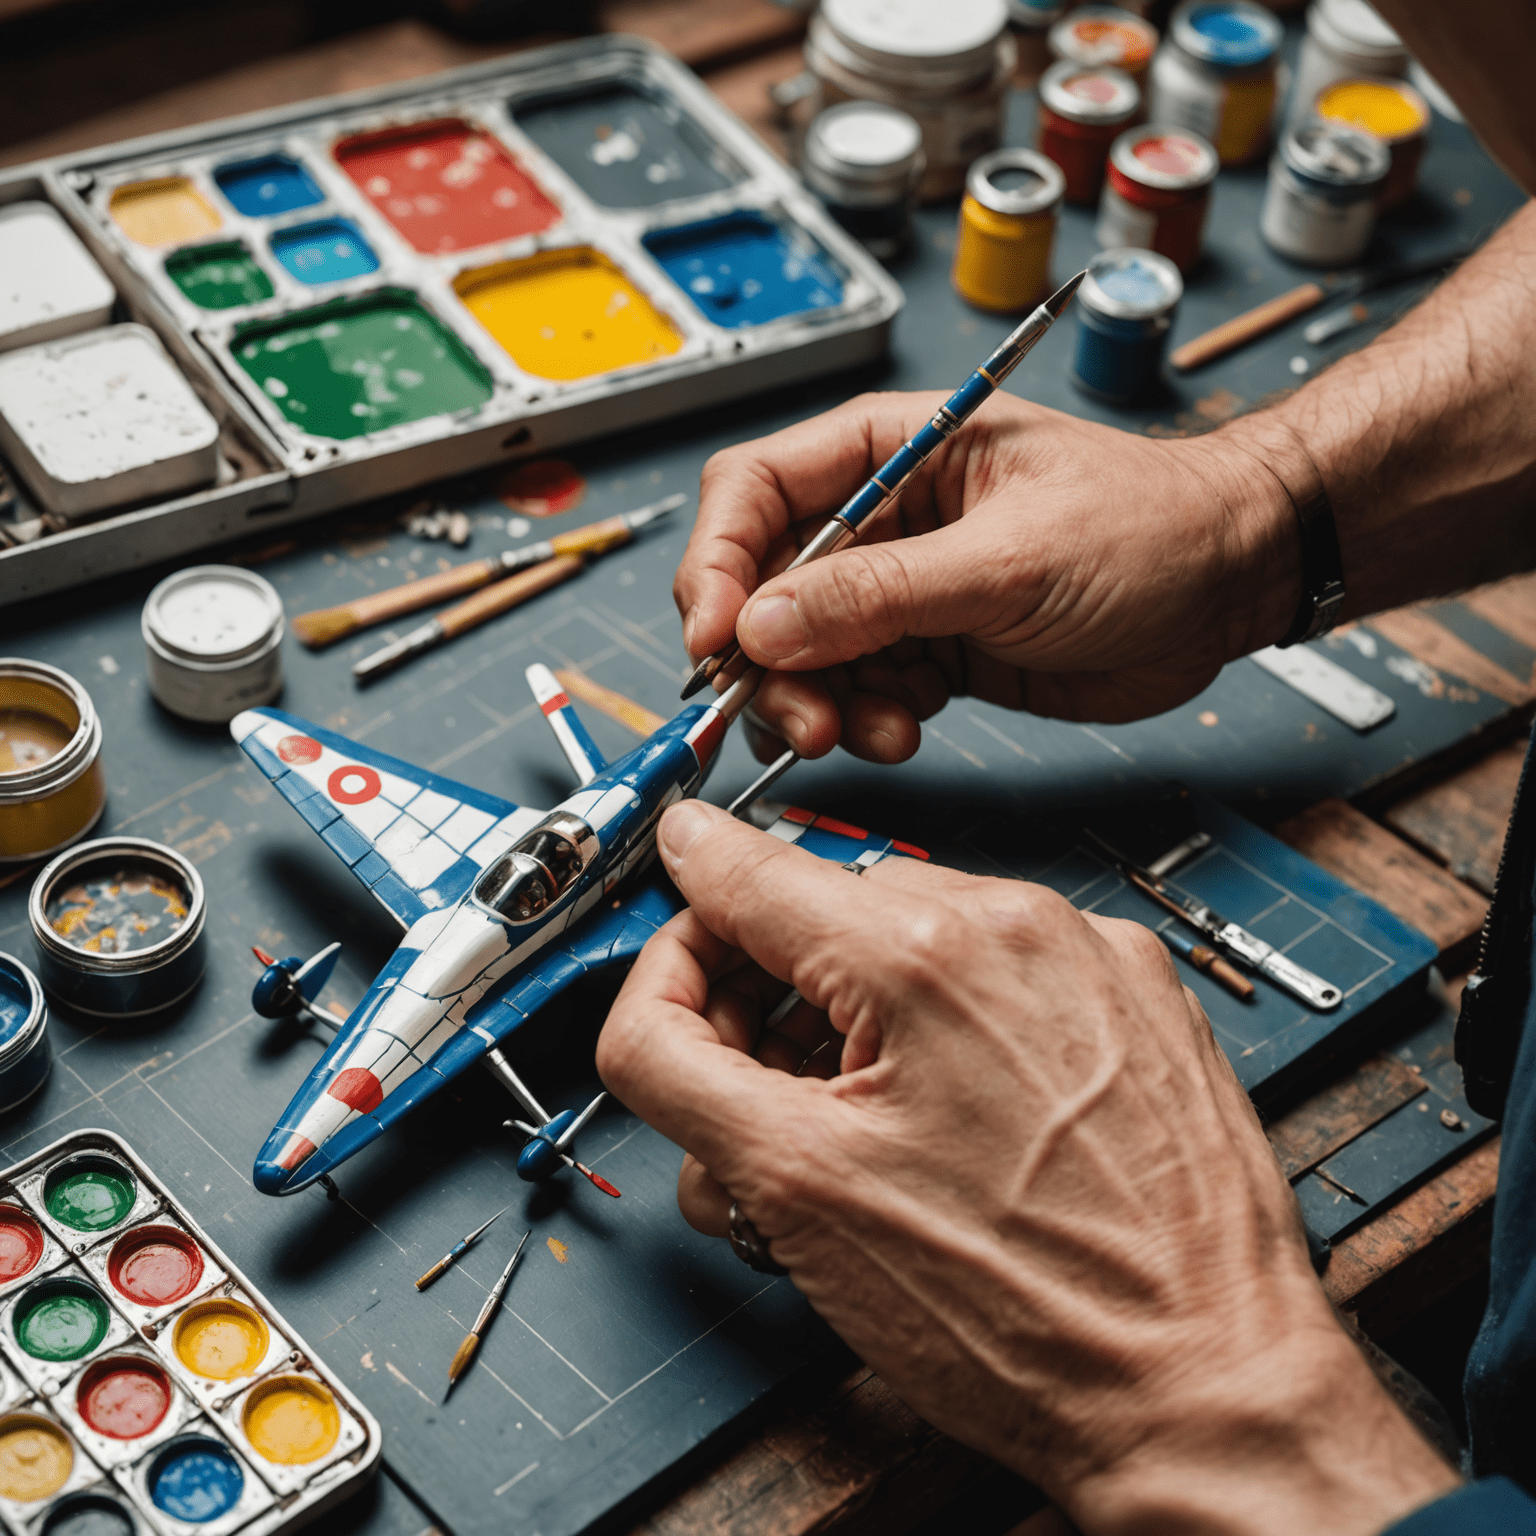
[213,638]
[1320,204]
[1344,38]
[118,925]
[25,1055]
[865,161]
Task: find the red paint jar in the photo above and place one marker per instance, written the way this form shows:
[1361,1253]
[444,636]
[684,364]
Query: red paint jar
[1082,112]
[1157,193]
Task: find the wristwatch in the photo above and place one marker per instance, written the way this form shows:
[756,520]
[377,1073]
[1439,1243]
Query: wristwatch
[1322,570]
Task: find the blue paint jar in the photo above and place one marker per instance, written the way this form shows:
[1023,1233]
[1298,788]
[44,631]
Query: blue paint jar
[25,1055]
[1125,309]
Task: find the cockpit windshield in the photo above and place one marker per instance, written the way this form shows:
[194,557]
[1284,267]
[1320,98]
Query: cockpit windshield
[537,870]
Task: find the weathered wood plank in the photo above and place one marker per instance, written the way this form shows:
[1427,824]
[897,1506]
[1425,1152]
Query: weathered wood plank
[1353,847]
[1510,604]
[1317,1127]
[1461,820]
[704,33]
[744,87]
[1425,637]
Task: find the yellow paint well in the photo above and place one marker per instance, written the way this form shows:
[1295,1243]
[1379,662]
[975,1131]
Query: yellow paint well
[291,1420]
[36,1458]
[1377,106]
[567,314]
[163,212]
[221,1339]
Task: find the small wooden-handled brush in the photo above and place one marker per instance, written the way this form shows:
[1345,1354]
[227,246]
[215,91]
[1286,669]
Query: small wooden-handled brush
[466,1350]
[325,626]
[460,1248]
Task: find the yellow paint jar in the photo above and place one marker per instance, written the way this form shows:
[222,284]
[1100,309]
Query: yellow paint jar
[167,211]
[52,785]
[221,1339]
[36,1457]
[567,314]
[1392,111]
[1007,229]
[291,1420]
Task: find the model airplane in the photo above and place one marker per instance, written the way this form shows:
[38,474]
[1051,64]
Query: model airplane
[502,906]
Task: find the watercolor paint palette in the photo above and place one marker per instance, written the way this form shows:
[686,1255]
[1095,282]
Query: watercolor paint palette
[145,1385]
[397,285]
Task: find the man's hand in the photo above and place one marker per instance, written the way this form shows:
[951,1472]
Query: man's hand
[1034,1198]
[1038,561]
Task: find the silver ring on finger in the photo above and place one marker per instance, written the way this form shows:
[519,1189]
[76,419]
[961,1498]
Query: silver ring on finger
[748,1245]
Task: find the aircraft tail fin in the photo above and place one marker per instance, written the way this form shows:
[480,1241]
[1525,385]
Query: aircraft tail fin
[579,748]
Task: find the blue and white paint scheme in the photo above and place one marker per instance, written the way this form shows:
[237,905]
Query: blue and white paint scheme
[503,906]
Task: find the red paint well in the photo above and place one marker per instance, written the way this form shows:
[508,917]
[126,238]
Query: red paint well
[21,1243]
[358,1089]
[124,1398]
[155,1266]
[298,749]
[446,186]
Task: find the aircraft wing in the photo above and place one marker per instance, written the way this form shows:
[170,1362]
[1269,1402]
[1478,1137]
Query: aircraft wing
[415,839]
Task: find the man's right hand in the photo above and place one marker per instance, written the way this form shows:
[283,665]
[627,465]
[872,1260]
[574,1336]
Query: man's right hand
[1038,561]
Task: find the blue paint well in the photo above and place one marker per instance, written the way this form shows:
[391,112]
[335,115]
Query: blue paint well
[744,270]
[327,252]
[1234,37]
[274,184]
[196,1480]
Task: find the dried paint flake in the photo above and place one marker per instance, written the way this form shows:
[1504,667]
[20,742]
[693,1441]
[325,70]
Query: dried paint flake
[120,913]
[560,1250]
[1208,717]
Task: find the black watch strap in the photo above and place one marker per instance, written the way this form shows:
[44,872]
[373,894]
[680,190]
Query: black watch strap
[1322,570]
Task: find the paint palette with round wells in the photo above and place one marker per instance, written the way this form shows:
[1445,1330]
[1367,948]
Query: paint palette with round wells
[51,1326]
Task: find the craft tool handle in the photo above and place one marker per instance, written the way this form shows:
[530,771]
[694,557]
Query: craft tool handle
[442,1266]
[502,595]
[1213,965]
[1244,328]
[461,1359]
[594,538]
[380,607]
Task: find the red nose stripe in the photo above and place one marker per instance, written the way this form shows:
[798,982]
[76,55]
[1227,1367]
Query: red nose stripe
[358,1089]
[842,828]
[299,1149]
[560,701]
[708,739]
[910,849]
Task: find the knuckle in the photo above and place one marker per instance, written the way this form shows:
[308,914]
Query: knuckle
[1028,916]
[923,945]
[1140,947]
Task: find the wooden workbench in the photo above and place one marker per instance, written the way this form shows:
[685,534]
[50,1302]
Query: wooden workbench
[838,1450]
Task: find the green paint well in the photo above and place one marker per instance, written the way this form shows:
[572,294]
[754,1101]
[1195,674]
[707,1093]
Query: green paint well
[62,1320]
[90,1200]
[361,365]
[219,276]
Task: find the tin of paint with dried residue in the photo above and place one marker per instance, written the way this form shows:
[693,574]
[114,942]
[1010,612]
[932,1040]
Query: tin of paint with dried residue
[1320,204]
[52,785]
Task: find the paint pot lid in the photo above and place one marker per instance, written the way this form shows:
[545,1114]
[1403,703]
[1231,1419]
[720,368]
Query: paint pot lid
[1356,28]
[863,151]
[1231,34]
[1389,109]
[1336,155]
[913,37]
[213,613]
[1103,34]
[21,1024]
[1016,181]
[1170,159]
[1131,285]
[1087,93]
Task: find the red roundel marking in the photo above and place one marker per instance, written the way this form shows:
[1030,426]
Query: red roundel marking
[358,1089]
[352,785]
[299,749]
[560,701]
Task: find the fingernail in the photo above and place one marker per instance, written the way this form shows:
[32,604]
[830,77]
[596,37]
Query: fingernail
[689,619]
[775,627]
[682,823]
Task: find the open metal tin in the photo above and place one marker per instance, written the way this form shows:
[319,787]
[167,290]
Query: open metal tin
[98,913]
[25,1055]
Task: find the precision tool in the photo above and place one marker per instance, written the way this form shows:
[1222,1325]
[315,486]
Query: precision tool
[1234,939]
[1281,310]
[461,1247]
[325,626]
[466,1350]
[887,483]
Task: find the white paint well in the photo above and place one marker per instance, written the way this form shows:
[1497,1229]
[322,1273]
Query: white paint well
[49,285]
[103,419]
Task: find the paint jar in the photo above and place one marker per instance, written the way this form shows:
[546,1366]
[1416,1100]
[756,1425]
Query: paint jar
[52,785]
[1392,111]
[1217,75]
[25,1055]
[1125,309]
[213,642]
[1104,34]
[1157,193]
[118,924]
[1007,228]
[864,160]
[1320,204]
[1345,39]
[1031,26]
[948,66]
[1083,110]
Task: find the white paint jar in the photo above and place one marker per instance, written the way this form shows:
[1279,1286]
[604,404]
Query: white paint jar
[1320,204]
[213,639]
[1344,38]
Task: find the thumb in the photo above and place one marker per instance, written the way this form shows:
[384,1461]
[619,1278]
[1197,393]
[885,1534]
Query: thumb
[863,599]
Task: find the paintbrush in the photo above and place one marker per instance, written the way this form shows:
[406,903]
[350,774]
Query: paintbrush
[325,626]
[1281,310]
[883,487]
[459,1248]
[466,1350]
